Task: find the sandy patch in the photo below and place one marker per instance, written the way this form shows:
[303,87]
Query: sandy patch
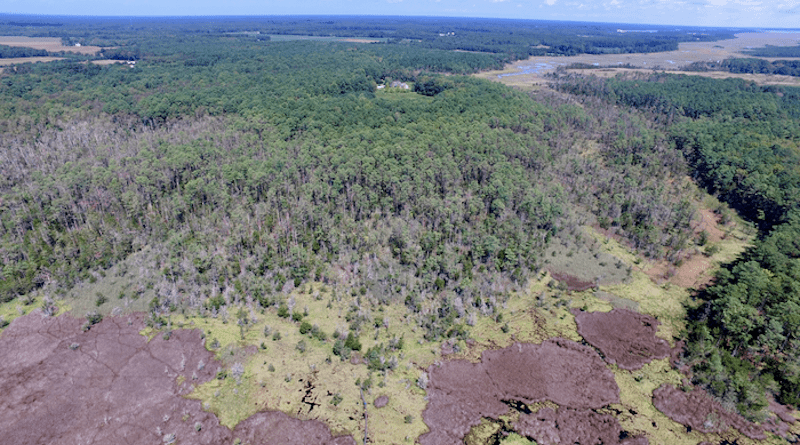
[47,44]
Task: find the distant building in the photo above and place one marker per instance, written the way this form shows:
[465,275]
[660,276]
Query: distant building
[398,84]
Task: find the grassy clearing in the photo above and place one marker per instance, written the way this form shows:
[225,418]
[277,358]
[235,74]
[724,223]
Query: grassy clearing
[314,383]
[586,260]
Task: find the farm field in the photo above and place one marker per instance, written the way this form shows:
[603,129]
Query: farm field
[16,60]
[47,44]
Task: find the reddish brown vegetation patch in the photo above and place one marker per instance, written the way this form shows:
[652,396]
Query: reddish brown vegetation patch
[573,283]
[698,411]
[110,385]
[567,425]
[460,393]
[279,428]
[625,337]
[782,420]
[381,401]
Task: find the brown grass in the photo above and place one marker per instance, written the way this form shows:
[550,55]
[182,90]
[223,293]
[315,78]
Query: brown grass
[47,44]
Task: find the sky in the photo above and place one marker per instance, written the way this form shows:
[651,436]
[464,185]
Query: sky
[724,13]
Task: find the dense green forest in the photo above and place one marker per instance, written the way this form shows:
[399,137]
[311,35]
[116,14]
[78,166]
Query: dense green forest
[742,142]
[8,52]
[775,51]
[502,39]
[750,66]
[242,168]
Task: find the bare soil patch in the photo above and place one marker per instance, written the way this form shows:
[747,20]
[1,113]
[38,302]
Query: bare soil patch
[111,385]
[461,393]
[47,44]
[626,338]
[694,267]
[698,411]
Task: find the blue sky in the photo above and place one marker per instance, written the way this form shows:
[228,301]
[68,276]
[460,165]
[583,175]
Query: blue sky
[737,13]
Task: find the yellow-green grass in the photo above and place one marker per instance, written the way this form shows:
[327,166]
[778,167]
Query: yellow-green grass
[19,307]
[317,374]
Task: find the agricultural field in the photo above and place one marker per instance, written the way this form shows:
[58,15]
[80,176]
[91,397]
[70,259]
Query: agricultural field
[53,44]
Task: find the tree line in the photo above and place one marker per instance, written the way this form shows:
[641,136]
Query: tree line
[741,141]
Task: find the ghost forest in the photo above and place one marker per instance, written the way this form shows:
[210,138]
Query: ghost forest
[342,209]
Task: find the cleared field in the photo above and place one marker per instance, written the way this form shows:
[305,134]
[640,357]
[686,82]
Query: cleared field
[529,73]
[46,43]
[15,60]
[107,62]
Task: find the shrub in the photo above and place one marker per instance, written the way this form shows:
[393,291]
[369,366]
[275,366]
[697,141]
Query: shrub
[352,343]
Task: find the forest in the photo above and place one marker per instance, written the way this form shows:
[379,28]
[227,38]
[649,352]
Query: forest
[750,66]
[227,167]
[741,143]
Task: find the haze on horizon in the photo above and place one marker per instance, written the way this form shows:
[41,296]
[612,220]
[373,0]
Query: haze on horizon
[716,13]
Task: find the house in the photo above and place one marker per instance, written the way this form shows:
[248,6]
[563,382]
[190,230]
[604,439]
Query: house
[398,84]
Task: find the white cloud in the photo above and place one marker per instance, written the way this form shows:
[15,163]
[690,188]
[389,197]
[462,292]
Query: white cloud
[550,2]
